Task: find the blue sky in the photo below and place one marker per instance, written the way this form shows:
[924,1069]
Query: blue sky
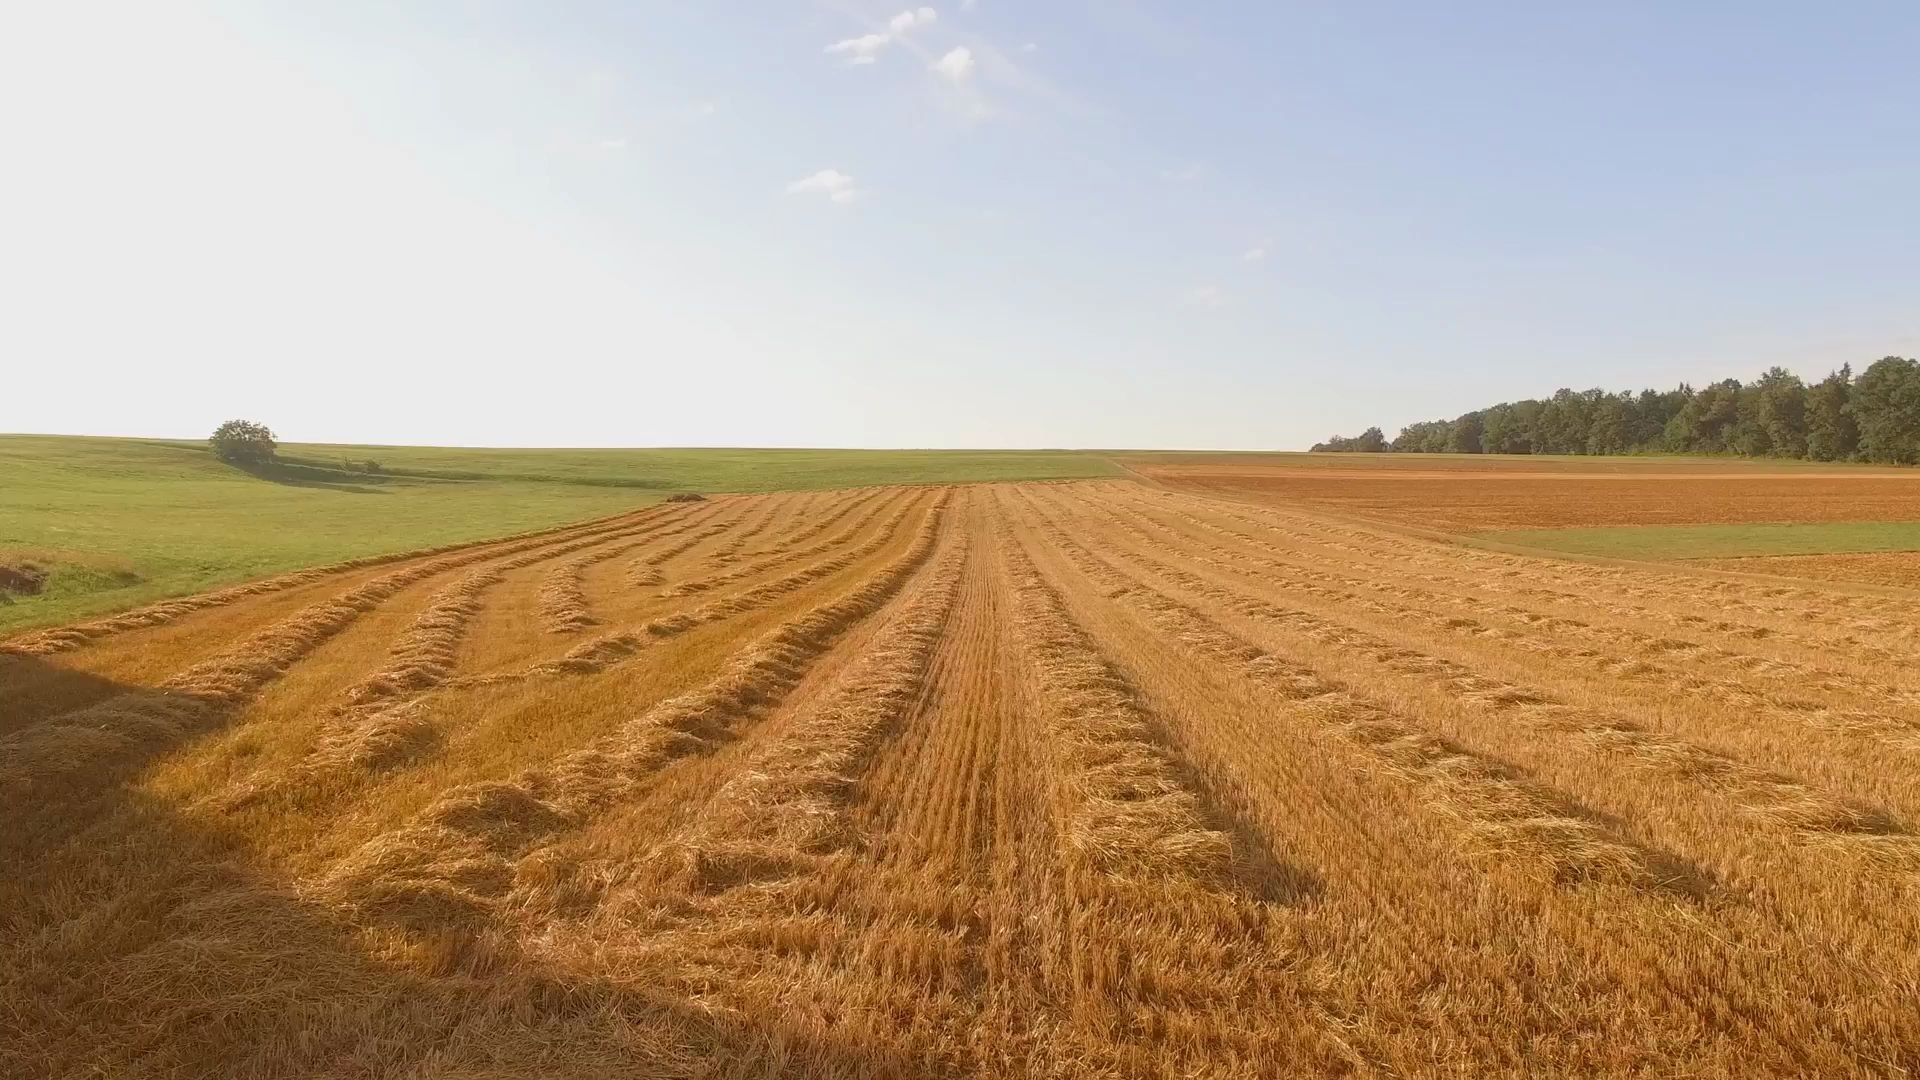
[1079,223]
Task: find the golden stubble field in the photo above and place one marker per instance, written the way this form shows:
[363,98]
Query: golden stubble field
[1066,780]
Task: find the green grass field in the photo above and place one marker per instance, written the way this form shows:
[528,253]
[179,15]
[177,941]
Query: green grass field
[713,470]
[123,522]
[1664,542]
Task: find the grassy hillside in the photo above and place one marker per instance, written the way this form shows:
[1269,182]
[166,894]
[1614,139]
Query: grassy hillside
[712,470]
[123,522]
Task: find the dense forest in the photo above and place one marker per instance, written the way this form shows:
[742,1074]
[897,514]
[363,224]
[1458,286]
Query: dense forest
[1872,417]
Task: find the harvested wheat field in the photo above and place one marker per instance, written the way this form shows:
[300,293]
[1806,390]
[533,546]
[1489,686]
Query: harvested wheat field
[1897,569]
[1085,779]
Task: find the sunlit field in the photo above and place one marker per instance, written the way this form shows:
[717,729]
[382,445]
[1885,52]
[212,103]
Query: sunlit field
[1088,778]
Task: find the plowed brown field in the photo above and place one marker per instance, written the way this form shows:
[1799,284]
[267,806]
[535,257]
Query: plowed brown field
[1063,780]
[1472,494]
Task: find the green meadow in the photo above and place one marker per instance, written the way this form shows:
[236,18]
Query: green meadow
[123,522]
[1664,542]
[711,470]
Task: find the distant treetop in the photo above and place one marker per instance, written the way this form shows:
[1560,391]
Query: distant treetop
[1875,417]
[243,442]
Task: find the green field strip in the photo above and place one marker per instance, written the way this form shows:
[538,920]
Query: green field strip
[1717,541]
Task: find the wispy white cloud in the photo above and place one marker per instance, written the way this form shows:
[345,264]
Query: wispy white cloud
[1254,254]
[908,20]
[976,78]
[1015,80]
[866,48]
[1185,174]
[832,183]
[956,64]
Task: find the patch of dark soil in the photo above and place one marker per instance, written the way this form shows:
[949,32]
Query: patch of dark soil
[23,578]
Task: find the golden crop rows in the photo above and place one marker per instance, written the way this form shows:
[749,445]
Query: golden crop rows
[1066,780]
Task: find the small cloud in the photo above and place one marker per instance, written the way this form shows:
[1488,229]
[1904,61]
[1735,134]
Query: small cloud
[1031,46]
[832,183]
[1254,254]
[956,65]
[864,49]
[908,20]
[1185,174]
[1208,296]
[613,142]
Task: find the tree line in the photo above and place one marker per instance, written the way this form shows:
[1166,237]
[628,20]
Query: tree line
[1874,416]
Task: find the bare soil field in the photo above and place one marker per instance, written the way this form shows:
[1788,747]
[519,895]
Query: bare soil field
[1900,569]
[1085,779]
[1522,464]
[1465,495]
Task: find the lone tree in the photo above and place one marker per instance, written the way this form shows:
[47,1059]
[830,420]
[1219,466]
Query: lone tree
[243,442]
